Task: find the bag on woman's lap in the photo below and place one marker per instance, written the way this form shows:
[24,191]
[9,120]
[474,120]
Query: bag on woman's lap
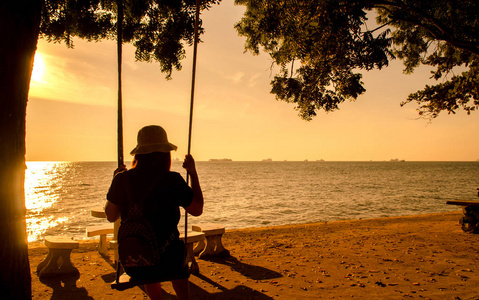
[142,254]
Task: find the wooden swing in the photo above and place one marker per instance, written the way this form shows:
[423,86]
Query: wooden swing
[124,281]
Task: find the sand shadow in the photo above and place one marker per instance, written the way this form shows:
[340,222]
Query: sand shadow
[240,292]
[108,259]
[250,271]
[64,287]
[109,278]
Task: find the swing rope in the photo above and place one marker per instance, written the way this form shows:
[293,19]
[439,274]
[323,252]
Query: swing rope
[118,285]
[119,42]
[192,99]
[193,76]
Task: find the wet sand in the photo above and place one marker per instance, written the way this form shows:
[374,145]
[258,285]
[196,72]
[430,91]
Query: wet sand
[423,257]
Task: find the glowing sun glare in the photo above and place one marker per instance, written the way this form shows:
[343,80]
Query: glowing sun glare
[38,68]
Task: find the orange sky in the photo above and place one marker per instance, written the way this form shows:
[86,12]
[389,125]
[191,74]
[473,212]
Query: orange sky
[71,114]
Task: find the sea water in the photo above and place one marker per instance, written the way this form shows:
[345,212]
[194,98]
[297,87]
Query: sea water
[59,195]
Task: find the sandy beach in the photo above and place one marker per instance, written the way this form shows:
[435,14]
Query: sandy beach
[423,257]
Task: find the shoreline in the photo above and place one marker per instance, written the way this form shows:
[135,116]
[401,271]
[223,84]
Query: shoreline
[82,237]
[420,256]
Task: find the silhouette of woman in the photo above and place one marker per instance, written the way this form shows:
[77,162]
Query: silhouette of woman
[151,167]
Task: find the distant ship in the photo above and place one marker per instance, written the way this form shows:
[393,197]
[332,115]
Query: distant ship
[267,159]
[397,160]
[221,159]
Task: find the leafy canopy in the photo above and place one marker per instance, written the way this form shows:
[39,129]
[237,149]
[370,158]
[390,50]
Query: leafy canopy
[157,28]
[322,47]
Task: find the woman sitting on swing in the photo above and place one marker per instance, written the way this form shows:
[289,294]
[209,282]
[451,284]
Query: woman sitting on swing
[163,192]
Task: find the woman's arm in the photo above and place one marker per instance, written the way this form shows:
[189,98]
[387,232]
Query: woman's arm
[196,206]
[112,211]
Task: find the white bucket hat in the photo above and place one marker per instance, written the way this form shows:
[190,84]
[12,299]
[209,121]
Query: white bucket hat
[152,138]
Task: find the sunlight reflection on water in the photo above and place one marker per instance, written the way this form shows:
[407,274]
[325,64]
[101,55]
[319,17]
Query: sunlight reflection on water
[59,196]
[43,183]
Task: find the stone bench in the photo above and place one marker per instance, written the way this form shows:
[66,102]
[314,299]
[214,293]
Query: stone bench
[213,234]
[102,231]
[192,238]
[470,219]
[114,245]
[57,261]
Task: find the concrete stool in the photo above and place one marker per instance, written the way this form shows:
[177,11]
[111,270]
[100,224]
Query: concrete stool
[193,237]
[58,261]
[102,231]
[213,234]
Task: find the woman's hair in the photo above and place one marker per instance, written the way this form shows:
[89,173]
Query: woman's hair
[154,160]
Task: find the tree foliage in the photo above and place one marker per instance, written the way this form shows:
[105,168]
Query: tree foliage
[158,29]
[323,46]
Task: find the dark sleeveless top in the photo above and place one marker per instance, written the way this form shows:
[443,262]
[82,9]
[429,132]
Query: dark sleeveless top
[163,194]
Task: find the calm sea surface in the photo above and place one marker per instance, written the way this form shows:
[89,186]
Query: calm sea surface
[59,195]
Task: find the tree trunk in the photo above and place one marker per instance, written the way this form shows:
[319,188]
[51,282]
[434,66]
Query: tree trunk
[19,27]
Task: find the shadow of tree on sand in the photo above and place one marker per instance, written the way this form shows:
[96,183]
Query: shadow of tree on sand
[64,287]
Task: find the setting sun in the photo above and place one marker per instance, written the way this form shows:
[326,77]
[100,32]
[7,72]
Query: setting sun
[38,68]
